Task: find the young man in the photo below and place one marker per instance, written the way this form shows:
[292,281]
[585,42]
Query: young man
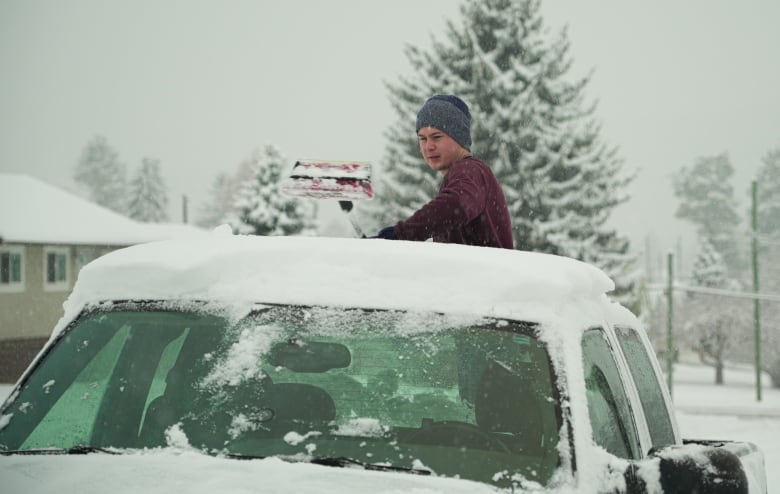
[470,207]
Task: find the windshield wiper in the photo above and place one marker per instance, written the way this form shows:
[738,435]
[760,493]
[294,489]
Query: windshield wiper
[339,461]
[79,449]
[344,461]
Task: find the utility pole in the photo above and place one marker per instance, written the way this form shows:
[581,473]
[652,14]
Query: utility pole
[184,212]
[669,315]
[756,302]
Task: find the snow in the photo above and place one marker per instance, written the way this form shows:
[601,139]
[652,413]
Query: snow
[330,271]
[192,473]
[730,411]
[25,218]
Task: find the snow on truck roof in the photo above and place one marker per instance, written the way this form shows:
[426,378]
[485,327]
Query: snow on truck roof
[366,273]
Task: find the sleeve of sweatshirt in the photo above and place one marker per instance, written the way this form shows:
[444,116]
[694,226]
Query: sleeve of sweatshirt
[460,200]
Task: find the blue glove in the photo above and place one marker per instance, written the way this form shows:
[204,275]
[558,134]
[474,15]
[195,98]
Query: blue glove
[387,233]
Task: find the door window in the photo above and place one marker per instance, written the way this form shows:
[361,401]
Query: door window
[649,387]
[608,405]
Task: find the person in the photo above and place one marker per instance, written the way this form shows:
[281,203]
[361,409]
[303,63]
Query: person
[470,207]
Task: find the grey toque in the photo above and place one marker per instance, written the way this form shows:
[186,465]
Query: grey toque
[449,114]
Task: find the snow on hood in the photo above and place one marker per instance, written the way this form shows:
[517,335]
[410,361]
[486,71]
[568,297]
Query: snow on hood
[341,272]
[166,471]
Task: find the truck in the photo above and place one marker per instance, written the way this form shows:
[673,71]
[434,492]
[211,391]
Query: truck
[349,365]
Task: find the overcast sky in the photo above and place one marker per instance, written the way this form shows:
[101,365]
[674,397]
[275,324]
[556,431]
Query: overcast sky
[201,84]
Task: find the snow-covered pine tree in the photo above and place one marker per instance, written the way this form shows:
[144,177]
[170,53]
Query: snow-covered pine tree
[219,205]
[260,207]
[530,124]
[707,200]
[103,175]
[148,193]
[709,269]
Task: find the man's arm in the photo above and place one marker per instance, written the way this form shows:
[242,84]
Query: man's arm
[461,199]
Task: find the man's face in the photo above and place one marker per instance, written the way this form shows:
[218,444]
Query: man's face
[439,149]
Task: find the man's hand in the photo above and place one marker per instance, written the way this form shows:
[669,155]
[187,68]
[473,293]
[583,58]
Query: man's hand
[387,233]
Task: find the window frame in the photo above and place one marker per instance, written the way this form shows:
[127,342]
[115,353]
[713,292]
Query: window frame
[58,284]
[14,286]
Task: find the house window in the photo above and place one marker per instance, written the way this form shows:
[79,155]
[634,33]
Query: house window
[55,269]
[11,269]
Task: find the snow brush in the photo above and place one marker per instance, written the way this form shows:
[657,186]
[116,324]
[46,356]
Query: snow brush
[345,181]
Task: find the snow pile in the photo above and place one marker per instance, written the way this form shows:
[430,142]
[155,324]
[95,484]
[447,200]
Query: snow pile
[333,271]
[162,472]
[241,362]
[362,427]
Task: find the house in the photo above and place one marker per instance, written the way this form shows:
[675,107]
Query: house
[46,236]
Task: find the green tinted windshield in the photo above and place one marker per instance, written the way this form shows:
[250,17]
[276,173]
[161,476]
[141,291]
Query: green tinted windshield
[473,399]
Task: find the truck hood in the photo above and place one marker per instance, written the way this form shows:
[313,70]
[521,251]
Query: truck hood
[167,471]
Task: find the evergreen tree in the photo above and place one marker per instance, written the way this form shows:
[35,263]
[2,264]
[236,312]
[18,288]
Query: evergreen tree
[218,205]
[261,209]
[224,189]
[709,269]
[530,124]
[148,194]
[707,200]
[104,176]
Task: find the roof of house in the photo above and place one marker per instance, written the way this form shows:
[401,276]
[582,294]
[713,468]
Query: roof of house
[33,211]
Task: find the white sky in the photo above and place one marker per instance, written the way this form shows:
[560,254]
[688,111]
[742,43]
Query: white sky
[201,84]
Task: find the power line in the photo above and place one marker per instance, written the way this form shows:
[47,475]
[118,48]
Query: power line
[772,297]
[767,240]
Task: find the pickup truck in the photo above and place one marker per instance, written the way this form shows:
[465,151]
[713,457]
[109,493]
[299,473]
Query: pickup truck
[351,365]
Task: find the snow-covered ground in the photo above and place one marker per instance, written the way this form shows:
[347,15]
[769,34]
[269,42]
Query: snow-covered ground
[706,411]
[730,411]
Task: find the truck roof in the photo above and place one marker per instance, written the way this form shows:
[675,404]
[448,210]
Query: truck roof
[342,272]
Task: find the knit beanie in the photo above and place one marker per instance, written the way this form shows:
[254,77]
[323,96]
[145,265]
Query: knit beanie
[450,115]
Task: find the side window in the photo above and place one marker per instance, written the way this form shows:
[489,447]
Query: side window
[608,406]
[55,269]
[11,269]
[647,383]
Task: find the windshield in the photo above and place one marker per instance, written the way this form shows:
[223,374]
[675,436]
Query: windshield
[468,398]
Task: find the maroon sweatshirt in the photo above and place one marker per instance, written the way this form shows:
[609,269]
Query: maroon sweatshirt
[469,209]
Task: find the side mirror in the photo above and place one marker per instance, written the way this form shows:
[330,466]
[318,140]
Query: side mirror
[688,469]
